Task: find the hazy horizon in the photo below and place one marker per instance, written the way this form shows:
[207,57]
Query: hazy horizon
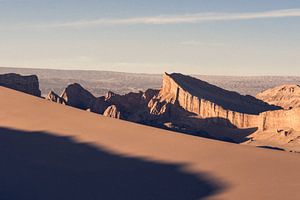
[235,38]
[147,73]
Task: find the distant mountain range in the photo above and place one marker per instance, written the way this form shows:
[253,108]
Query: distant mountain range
[100,82]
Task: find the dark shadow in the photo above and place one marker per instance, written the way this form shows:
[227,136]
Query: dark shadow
[217,128]
[272,148]
[227,99]
[38,165]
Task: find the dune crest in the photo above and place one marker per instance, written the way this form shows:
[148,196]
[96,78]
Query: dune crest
[116,159]
[188,105]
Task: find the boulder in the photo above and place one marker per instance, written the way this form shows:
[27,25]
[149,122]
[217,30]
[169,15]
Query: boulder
[76,96]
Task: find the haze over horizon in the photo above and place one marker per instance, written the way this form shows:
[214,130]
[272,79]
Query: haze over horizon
[194,37]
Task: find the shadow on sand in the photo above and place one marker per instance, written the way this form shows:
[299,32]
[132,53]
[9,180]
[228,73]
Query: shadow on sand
[38,165]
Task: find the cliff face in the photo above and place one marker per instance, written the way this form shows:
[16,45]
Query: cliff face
[274,120]
[192,106]
[26,84]
[285,96]
[210,102]
[189,92]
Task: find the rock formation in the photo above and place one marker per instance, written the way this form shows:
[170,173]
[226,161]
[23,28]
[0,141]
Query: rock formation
[189,105]
[285,96]
[26,84]
[113,112]
[52,96]
[76,96]
[201,100]
[190,93]
[99,105]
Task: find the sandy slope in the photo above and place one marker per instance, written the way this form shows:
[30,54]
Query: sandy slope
[103,158]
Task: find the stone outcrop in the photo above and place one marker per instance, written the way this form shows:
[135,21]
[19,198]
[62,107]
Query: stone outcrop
[205,101]
[52,96]
[113,112]
[190,93]
[76,96]
[99,105]
[26,84]
[191,106]
[285,96]
[132,106]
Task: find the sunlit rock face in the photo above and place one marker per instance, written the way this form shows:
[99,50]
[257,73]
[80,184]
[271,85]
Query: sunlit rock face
[113,112]
[189,105]
[285,96]
[52,96]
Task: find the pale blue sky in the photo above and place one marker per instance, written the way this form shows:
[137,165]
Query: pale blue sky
[223,37]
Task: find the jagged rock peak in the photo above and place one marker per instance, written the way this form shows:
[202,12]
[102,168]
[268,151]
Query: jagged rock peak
[75,95]
[188,91]
[285,96]
[52,96]
[110,94]
[27,84]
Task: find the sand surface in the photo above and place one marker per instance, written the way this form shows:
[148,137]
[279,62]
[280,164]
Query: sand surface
[51,151]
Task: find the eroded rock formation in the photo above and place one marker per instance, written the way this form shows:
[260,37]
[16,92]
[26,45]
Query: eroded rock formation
[26,84]
[76,96]
[285,96]
[52,96]
[113,112]
[192,106]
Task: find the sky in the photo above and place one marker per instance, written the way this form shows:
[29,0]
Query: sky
[213,37]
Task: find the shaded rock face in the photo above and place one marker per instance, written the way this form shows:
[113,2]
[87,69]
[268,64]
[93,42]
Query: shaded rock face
[190,93]
[188,105]
[132,106]
[285,96]
[99,105]
[76,96]
[199,100]
[26,84]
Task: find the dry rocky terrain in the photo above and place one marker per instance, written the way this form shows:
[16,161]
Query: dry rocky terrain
[192,106]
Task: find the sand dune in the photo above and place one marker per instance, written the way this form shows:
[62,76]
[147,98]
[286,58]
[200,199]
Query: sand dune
[51,151]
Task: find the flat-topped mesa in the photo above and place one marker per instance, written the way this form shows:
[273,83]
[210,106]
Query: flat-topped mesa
[76,96]
[209,101]
[285,96]
[187,91]
[27,84]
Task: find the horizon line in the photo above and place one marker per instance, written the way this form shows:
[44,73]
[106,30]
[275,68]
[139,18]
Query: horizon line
[145,73]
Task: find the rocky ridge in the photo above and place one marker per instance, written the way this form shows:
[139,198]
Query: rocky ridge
[285,96]
[26,84]
[189,105]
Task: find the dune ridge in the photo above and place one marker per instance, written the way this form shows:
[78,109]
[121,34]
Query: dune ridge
[225,163]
